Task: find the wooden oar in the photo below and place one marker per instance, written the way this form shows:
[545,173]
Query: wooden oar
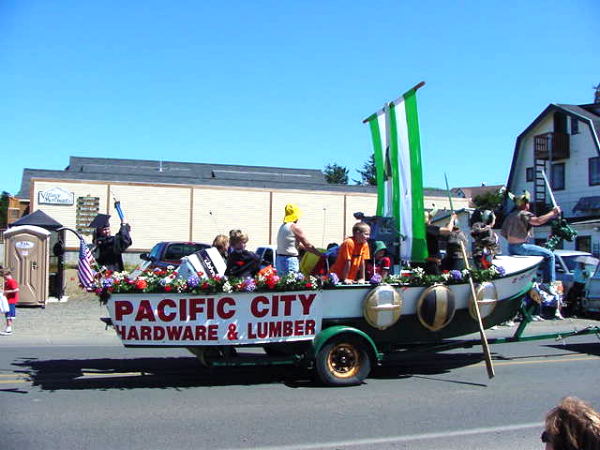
[484,343]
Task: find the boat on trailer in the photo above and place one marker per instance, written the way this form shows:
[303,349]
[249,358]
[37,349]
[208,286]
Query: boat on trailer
[341,331]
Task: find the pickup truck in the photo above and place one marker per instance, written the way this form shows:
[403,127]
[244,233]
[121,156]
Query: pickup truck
[169,253]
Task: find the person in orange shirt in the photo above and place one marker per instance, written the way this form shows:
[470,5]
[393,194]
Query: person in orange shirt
[350,263]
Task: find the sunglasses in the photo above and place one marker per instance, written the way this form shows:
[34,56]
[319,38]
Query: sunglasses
[546,437]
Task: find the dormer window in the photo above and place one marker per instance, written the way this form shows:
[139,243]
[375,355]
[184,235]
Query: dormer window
[574,125]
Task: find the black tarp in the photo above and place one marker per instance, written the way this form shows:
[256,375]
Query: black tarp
[39,219]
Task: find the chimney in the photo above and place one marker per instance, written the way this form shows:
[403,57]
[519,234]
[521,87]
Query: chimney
[597,94]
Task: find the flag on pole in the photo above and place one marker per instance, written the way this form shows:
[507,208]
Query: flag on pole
[399,173]
[85,272]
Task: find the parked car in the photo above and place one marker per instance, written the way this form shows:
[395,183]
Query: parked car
[590,303]
[169,253]
[267,255]
[566,261]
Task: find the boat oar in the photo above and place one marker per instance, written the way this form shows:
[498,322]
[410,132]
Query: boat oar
[484,343]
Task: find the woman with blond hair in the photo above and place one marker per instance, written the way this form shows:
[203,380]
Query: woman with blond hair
[572,425]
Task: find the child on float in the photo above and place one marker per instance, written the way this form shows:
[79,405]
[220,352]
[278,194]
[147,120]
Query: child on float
[380,264]
[354,251]
[241,263]
[221,243]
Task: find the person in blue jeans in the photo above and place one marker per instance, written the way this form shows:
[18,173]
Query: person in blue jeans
[517,230]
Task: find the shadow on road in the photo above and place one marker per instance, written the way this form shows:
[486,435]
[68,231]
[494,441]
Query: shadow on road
[162,373]
[586,348]
[187,372]
[406,365]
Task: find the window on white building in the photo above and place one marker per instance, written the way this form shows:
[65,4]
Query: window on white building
[594,171]
[529,174]
[557,176]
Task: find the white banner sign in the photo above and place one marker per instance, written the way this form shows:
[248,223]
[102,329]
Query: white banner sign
[228,319]
[56,196]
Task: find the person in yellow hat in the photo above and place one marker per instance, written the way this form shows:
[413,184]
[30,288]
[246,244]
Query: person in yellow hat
[290,239]
[517,231]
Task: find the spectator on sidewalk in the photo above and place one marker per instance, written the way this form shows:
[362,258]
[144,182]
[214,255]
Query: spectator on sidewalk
[11,291]
[572,425]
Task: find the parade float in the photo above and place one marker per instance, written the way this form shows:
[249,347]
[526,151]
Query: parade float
[341,331]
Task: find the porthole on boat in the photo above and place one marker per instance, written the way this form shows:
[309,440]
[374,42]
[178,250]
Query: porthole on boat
[487,299]
[382,307]
[436,307]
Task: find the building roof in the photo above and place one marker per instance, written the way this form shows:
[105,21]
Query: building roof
[474,191]
[587,113]
[186,173]
[38,218]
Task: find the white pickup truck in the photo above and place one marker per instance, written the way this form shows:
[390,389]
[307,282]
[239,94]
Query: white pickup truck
[590,304]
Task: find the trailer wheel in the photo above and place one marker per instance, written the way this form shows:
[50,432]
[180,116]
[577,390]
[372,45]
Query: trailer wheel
[343,361]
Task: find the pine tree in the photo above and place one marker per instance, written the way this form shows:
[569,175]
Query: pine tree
[336,174]
[368,175]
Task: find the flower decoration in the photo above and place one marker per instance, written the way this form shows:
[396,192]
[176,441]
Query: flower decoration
[376,279]
[456,275]
[167,280]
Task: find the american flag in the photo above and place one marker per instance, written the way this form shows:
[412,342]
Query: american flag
[84,265]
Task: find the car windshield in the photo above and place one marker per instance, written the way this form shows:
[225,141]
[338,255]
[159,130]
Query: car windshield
[570,262]
[178,251]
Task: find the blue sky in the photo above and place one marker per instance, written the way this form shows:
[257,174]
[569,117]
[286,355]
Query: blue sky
[284,83]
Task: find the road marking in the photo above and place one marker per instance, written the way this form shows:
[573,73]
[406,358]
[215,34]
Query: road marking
[540,361]
[111,374]
[410,437]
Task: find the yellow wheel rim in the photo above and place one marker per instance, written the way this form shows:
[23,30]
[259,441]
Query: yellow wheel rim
[343,361]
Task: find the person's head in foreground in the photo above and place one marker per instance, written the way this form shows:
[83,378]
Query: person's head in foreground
[572,425]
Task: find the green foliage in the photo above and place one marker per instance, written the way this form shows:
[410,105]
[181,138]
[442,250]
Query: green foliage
[336,174]
[489,200]
[4,208]
[368,174]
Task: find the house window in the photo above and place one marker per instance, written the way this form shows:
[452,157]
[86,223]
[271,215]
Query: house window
[583,243]
[557,176]
[574,125]
[594,171]
[529,174]
[560,122]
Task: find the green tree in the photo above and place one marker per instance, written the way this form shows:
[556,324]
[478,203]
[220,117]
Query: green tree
[336,174]
[488,200]
[368,175]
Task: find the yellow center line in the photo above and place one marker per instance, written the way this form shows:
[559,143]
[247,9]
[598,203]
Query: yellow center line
[540,361]
[110,374]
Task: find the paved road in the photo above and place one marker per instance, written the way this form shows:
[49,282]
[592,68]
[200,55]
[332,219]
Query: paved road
[66,383]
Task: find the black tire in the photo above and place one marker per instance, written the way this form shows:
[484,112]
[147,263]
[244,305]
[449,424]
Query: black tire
[343,361]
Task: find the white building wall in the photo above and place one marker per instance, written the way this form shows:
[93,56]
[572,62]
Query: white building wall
[199,213]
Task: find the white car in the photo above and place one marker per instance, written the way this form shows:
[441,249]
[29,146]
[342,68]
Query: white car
[566,262]
[591,300]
